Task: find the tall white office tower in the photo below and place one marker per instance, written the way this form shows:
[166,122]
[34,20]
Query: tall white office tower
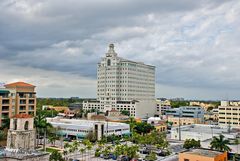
[124,85]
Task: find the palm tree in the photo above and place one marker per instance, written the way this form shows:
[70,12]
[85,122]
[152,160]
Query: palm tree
[42,126]
[82,150]
[220,143]
[237,142]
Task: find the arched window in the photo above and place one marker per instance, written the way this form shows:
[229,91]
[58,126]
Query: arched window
[14,124]
[26,125]
[108,62]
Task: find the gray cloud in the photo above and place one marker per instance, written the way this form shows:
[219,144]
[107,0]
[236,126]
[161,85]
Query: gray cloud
[193,44]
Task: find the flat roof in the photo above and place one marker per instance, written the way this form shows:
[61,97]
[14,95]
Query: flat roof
[84,124]
[204,152]
[201,128]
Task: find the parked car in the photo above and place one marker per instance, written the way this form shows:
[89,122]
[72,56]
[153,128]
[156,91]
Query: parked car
[123,158]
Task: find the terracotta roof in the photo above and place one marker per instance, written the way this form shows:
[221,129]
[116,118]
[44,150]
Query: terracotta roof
[22,115]
[18,84]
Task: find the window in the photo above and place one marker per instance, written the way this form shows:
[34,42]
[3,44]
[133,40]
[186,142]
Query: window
[15,124]
[26,125]
[186,159]
[108,62]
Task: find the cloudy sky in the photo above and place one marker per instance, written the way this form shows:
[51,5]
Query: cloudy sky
[55,44]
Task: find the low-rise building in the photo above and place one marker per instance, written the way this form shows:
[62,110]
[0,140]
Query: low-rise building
[56,108]
[81,128]
[202,132]
[204,105]
[160,125]
[186,111]
[202,155]
[184,120]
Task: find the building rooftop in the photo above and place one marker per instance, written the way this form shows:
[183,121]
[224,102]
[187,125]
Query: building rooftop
[83,124]
[19,84]
[204,152]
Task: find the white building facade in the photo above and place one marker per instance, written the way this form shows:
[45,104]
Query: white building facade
[81,128]
[124,85]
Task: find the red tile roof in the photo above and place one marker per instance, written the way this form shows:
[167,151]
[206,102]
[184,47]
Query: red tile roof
[19,84]
[22,115]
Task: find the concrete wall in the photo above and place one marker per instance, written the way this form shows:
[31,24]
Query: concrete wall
[44,157]
[145,108]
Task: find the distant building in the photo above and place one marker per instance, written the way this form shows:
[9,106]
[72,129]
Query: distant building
[186,112]
[162,105]
[81,128]
[56,108]
[75,106]
[184,120]
[229,115]
[203,155]
[159,124]
[202,132]
[211,115]
[124,85]
[17,98]
[202,104]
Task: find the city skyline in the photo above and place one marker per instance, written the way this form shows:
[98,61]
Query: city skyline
[56,47]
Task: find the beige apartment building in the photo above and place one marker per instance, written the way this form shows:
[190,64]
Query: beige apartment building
[228,114]
[17,98]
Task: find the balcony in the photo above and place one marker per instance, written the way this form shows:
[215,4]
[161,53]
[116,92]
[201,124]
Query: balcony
[31,102]
[5,102]
[5,108]
[31,108]
[23,102]
[22,108]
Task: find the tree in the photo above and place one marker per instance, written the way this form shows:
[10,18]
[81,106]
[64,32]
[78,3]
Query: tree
[151,157]
[125,112]
[56,156]
[176,104]
[52,139]
[220,143]
[191,143]
[2,136]
[131,151]
[91,136]
[143,128]
[42,126]
[82,150]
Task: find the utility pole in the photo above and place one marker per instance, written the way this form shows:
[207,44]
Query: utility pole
[179,127]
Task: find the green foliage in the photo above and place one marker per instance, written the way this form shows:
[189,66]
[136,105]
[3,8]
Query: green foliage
[91,136]
[5,123]
[56,102]
[3,135]
[112,138]
[155,138]
[191,143]
[125,112]
[219,143]
[143,128]
[151,157]
[97,152]
[130,151]
[176,104]
[56,156]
